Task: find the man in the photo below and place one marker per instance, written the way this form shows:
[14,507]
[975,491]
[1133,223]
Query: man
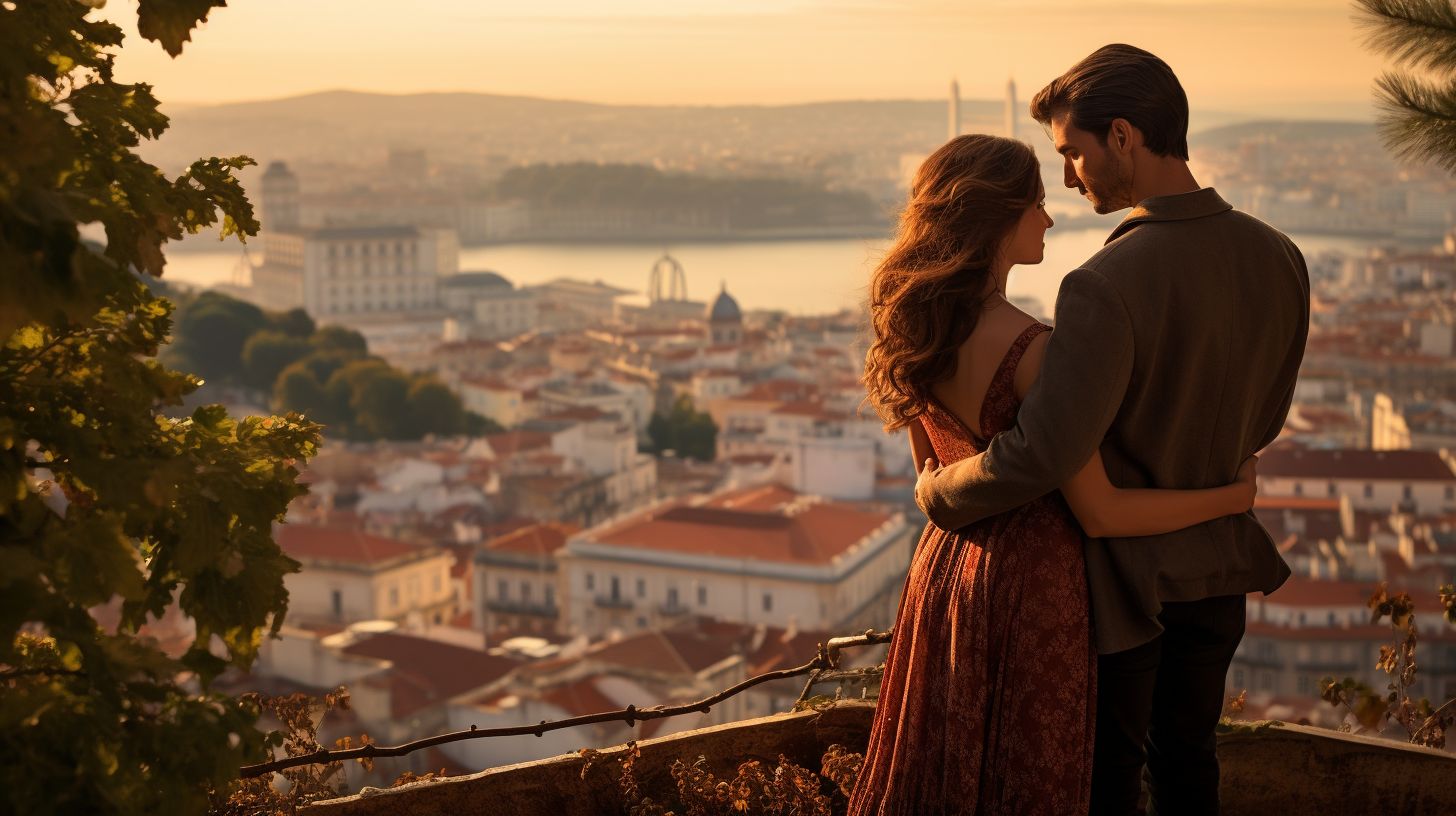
[1175,352]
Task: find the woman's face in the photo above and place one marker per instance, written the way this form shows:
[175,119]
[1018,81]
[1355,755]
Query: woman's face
[1027,241]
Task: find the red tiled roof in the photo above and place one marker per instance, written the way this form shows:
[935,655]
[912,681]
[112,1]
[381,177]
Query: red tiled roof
[1349,463]
[808,409]
[428,672]
[312,543]
[1265,502]
[536,539]
[510,443]
[584,413]
[1299,591]
[648,650]
[696,646]
[811,534]
[580,698]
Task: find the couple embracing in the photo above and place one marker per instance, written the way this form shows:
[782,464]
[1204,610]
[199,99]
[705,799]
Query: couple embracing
[1070,615]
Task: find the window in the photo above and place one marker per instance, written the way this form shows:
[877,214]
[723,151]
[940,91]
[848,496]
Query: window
[1298,489]
[616,588]
[767,602]
[1304,685]
[672,597]
[1331,490]
[1369,490]
[502,589]
[702,595]
[525,590]
[641,582]
[338,604]
[591,581]
[1238,680]
[550,595]
[393,597]
[1450,492]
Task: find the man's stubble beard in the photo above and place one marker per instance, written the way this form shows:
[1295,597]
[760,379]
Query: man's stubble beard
[1112,192]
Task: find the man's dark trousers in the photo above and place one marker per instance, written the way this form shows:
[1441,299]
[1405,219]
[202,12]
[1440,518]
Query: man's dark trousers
[1158,704]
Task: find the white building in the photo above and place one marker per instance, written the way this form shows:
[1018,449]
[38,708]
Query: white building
[338,272]
[516,579]
[484,305]
[1423,481]
[753,555]
[630,400]
[572,304]
[502,403]
[349,575]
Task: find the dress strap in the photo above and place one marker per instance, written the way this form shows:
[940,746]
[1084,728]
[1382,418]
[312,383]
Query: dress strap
[1003,383]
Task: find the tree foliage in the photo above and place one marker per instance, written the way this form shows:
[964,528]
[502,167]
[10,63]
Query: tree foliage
[104,499]
[685,431]
[1418,96]
[731,202]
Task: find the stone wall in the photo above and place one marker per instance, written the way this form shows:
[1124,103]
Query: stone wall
[1267,768]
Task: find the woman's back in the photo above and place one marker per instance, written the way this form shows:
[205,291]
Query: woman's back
[980,361]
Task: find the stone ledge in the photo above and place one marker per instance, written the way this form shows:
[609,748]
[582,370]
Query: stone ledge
[1267,768]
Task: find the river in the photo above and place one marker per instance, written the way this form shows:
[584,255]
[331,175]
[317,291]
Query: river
[798,277]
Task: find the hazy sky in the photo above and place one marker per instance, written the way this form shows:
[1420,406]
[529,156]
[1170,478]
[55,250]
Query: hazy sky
[1297,57]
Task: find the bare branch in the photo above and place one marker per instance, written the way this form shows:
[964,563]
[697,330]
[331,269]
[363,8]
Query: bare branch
[827,658]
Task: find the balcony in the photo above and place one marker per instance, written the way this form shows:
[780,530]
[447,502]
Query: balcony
[1267,768]
[615,602]
[673,610]
[537,608]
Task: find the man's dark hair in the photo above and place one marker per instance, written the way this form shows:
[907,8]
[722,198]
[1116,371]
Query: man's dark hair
[1120,82]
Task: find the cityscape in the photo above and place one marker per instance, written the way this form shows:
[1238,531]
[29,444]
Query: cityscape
[595,432]
[583,567]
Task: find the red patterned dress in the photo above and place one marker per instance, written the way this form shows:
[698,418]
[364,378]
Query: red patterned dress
[989,693]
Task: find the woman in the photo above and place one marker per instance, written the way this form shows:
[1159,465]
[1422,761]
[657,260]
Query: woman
[988,697]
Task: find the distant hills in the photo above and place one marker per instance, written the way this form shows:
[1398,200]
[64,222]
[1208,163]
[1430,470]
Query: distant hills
[350,126]
[1287,131]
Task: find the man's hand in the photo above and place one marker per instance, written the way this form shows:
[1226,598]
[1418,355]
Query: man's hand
[927,469]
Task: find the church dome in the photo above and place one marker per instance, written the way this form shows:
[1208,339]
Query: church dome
[725,309]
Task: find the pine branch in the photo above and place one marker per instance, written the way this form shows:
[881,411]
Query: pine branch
[1418,120]
[1415,33]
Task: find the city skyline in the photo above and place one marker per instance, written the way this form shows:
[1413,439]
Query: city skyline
[1300,58]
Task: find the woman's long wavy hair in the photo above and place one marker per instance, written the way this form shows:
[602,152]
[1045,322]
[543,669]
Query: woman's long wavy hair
[927,294]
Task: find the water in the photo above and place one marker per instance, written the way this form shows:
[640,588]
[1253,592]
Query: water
[799,277]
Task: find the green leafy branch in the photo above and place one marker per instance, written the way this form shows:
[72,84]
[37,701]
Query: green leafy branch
[1418,97]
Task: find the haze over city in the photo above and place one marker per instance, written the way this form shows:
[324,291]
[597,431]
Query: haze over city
[1255,57]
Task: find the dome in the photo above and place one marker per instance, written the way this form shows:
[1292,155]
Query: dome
[725,309]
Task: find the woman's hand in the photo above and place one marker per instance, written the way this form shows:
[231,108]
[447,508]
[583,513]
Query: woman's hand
[1247,481]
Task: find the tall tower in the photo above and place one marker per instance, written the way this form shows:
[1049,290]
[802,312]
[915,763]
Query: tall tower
[1010,124]
[955,109]
[280,198]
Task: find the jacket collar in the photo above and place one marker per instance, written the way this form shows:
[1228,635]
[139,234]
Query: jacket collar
[1180,207]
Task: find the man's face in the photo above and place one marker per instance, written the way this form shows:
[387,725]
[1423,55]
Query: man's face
[1091,168]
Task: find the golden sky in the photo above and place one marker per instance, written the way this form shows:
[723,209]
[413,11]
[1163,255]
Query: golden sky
[1294,57]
